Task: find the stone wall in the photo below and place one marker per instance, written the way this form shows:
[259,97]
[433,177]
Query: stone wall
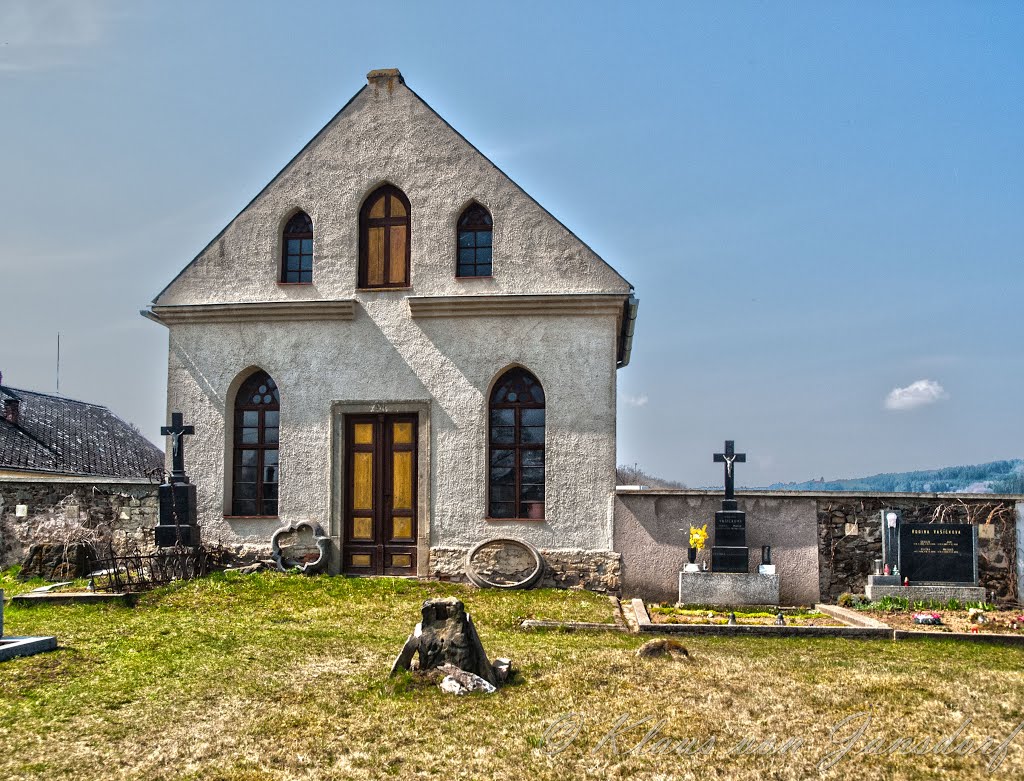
[850,537]
[823,544]
[122,514]
[593,570]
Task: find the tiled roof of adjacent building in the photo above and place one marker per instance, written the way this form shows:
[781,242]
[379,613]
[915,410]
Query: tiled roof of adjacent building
[66,437]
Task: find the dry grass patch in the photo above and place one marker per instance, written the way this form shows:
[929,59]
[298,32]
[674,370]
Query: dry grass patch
[282,677]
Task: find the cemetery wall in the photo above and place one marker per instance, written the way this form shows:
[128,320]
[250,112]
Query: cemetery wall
[652,530]
[850,536]
[123,513]
[823,544]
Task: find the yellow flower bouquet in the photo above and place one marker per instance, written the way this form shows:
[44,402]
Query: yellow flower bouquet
[698,537]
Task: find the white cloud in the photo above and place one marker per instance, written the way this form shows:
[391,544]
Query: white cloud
[917,394]
[635,401]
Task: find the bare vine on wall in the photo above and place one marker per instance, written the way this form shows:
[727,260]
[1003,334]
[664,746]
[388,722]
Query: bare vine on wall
[977,514]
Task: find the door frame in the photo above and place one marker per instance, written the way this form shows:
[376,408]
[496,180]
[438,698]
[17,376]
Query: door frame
[339,412]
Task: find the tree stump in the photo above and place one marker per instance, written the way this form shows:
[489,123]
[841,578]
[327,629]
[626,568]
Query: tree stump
[446,635]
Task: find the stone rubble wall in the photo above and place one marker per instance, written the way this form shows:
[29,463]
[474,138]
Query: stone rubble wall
[850,537]
[593,570]
[118,514]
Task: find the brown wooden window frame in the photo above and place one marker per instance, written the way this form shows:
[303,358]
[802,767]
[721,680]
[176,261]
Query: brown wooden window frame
[366,222]
[294,230]
[258,404]
[471,243]
[528,458]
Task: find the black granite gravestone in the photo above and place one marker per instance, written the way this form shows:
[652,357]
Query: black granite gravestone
[939,552]
[730,552]
[178,519]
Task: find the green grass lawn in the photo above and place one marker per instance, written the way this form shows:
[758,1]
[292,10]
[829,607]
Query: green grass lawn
[281,677]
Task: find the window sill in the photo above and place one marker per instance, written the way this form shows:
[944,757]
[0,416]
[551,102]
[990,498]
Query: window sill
[479,276]
[251,517]
[294,284]
[382,289]
[516,520]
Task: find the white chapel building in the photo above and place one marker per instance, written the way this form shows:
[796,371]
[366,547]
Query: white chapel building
[394,341]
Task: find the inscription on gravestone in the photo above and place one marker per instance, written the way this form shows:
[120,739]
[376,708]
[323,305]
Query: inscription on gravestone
[937,552]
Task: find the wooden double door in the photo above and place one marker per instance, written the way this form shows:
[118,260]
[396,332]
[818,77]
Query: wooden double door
[380,495]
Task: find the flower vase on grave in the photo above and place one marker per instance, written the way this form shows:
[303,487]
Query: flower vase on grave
[691,555]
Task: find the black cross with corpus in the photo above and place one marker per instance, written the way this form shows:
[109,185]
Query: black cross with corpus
[729,457]
[176,431]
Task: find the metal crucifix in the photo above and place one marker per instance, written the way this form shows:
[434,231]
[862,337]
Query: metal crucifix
[176,431]
[729,457]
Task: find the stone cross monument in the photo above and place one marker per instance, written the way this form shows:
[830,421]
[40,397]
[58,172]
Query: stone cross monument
[730,552]
[178,518]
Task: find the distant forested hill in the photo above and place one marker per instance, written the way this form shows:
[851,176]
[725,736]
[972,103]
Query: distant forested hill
[997,477]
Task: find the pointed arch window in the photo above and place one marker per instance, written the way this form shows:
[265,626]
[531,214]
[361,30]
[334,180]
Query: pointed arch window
[255,464]
[384,239]
[474,242]
[515,485]
[297,249]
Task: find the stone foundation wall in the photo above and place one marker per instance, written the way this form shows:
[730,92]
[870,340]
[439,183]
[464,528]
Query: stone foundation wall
[122,514]
[593,570]
[850,537]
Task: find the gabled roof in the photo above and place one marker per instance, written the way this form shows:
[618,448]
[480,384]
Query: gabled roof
[390,77]
[67,437]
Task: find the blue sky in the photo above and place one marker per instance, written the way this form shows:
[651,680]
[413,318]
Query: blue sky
[818,204]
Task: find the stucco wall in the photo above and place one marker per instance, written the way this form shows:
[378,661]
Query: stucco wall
[652,530]
[384,354]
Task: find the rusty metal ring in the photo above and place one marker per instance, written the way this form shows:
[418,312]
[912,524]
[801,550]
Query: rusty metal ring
[479,580]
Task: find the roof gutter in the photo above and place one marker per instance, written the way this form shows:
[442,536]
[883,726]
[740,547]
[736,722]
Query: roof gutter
[629,311]
[150,315]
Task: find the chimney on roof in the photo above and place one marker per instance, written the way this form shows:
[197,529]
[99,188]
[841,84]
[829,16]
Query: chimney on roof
[10,410]
[385,77]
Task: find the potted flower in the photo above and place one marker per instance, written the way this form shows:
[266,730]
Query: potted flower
[697,539]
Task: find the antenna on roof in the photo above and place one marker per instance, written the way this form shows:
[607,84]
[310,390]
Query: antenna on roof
[58,363]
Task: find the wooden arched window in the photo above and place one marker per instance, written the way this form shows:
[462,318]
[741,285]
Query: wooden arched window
[297,250]
[474,242]
[384,239]
[515,485]
[257,418]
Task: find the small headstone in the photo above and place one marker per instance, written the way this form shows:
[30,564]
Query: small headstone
[732,619]
[780,620]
